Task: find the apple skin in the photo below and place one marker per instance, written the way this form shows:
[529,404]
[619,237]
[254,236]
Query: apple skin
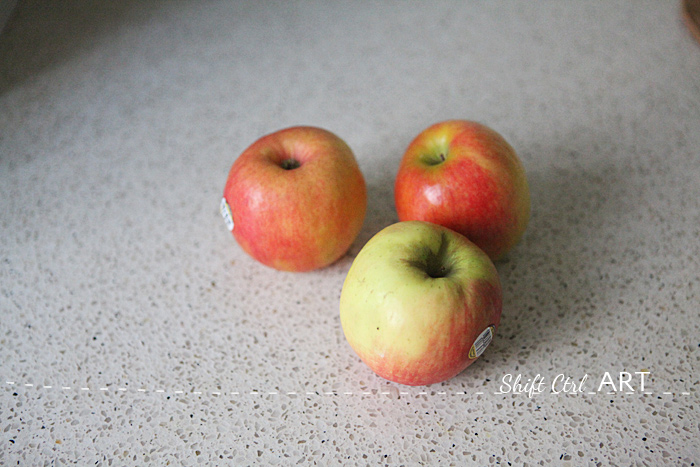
[465,176]
[408,324]
[296,218]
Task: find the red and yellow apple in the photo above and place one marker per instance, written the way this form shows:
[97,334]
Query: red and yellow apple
[465,176]
[420,303]
[295,199]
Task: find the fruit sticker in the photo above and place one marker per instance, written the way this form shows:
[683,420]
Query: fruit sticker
[482,342]
[225,211]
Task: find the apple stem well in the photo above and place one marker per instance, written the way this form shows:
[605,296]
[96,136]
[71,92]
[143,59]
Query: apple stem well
[434,159]
[290,164]
[435,264]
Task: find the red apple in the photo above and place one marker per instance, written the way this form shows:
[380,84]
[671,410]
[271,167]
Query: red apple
[465,176]
[420,303]
[295,199]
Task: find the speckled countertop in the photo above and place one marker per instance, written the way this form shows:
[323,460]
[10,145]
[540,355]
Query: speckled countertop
[134,331]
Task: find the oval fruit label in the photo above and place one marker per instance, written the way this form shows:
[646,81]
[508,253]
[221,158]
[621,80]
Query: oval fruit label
[482,342]
[225,211]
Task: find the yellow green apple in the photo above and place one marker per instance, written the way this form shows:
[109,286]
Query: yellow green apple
[420,303]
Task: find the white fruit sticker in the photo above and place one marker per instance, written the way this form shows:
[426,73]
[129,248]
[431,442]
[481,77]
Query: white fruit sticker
[482,342]
[225,211]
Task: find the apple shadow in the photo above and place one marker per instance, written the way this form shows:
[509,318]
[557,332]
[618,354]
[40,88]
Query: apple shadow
[380,213]
[551,280]
[379,178]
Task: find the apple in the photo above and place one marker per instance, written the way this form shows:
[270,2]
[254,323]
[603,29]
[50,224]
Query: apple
[465,176]
[296,199]
[420,303]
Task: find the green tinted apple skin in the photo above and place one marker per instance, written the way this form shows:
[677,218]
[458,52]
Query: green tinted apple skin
[406,325]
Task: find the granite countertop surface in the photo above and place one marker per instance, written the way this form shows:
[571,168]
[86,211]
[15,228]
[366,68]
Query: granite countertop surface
[135,331]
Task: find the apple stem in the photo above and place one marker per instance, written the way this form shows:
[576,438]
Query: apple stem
[290,164]
[434,159]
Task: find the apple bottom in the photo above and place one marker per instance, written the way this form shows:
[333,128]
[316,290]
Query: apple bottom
[295,250]
[419,352]
[420,372]
[444,357]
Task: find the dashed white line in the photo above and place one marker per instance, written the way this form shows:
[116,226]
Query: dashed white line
[328,393]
